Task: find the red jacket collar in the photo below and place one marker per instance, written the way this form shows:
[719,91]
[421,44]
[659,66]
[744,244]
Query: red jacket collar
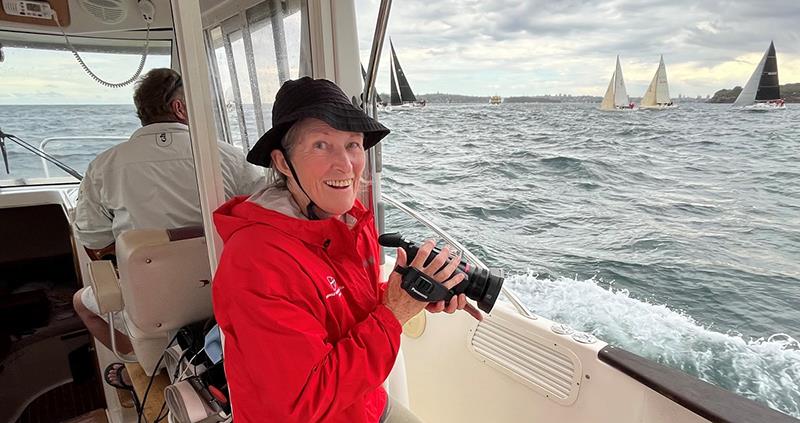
[238,213]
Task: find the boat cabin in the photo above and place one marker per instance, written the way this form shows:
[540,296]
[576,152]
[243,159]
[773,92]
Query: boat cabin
[233,55]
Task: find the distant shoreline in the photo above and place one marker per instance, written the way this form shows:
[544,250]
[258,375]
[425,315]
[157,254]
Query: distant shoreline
[790,92]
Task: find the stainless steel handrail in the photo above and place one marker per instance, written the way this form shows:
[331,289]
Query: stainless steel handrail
[48,140]
[374,163]
[375,52]
[515,301]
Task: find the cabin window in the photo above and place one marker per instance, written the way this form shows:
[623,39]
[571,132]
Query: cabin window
[251,54]
[48,101]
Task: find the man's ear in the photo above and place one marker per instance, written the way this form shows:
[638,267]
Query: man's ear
[280,163]
[178,107]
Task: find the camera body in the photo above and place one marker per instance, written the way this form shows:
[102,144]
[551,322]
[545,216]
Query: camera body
[479,284]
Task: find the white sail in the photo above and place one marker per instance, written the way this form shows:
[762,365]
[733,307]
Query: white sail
[608,99]
[658,91]
[620,93]
[748,94]
[662,90]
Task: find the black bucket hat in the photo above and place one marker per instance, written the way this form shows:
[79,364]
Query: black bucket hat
[313,98]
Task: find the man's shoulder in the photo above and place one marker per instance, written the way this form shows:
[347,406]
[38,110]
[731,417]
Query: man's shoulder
[230,150]
[102,160]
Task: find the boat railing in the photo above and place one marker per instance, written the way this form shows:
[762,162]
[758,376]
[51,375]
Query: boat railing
[43,145]
[510,295]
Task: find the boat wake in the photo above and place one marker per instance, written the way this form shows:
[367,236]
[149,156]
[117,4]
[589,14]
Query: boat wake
[765,369]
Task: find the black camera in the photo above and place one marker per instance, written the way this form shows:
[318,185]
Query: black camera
[479,284]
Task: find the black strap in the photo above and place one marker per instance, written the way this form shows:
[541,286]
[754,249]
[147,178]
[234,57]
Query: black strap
[422,287]
[310,213]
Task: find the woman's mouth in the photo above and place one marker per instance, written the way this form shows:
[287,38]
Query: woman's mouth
[339,183]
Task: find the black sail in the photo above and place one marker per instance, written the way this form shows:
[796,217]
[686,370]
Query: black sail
[768,87]
[364,75]
[405,90]
[395,100]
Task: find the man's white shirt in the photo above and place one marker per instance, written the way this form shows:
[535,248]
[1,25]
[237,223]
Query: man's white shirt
[149,182]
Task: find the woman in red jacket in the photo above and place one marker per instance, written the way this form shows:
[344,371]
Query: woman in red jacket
[311,332]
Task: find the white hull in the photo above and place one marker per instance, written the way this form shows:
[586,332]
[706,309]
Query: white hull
[620,109]
[763,107]
[405,106]
[659,107]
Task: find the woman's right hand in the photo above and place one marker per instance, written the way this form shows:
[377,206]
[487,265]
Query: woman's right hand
[397,299]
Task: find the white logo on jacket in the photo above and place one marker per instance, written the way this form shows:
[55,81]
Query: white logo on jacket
[336,290]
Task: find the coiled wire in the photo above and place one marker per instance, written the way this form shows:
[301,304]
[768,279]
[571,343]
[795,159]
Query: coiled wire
[92,74]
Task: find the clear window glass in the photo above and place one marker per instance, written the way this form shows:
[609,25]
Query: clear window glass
[50,103]
[253,54]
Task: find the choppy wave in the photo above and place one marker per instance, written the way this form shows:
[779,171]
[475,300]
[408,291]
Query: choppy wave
[765,369]
[664,233]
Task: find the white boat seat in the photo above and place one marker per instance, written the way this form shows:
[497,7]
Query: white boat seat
[164,284]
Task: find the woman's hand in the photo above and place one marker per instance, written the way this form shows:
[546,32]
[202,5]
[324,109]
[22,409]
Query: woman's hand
[403,305]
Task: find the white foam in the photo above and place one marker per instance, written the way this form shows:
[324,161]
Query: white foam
[765,369]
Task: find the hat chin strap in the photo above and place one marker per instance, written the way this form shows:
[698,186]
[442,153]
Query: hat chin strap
[310,213]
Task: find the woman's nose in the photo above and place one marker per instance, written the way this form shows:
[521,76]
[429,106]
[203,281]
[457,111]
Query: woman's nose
[341,160]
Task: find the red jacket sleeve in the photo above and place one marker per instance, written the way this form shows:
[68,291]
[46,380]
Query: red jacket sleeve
[280,364]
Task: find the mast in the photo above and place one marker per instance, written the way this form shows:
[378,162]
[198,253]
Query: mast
[405,89]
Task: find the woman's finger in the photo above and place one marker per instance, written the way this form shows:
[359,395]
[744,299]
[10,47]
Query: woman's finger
[437,262]
[455,280]
[401,257]
[462,301]
[474,312]
[424,251]
[400,261]
[452,306]
[448,270]
[435,307]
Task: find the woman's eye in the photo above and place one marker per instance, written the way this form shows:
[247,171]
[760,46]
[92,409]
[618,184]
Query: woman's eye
[320,145]
[354,146]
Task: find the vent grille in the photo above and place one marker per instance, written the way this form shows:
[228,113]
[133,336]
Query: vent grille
[543,366]
[106,11]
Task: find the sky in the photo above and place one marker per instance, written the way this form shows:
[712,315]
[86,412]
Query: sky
[487,47]
[534,47]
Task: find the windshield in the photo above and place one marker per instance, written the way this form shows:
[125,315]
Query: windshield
[49,102]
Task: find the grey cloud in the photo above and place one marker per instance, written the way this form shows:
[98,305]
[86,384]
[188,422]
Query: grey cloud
[704,32]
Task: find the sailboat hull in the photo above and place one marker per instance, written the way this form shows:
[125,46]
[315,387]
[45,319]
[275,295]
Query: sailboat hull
[763,107]
[659,107]
[620,109]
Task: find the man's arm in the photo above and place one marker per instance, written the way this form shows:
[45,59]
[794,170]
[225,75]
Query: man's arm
[251,178]
[92,220]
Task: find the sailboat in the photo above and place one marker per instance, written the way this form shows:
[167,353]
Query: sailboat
[616,97]
[657,94]
[762,91]
[401,93]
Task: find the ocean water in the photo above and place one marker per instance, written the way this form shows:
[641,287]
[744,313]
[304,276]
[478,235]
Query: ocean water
[673,234]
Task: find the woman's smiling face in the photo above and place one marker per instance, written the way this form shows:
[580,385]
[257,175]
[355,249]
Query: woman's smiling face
[329,164]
